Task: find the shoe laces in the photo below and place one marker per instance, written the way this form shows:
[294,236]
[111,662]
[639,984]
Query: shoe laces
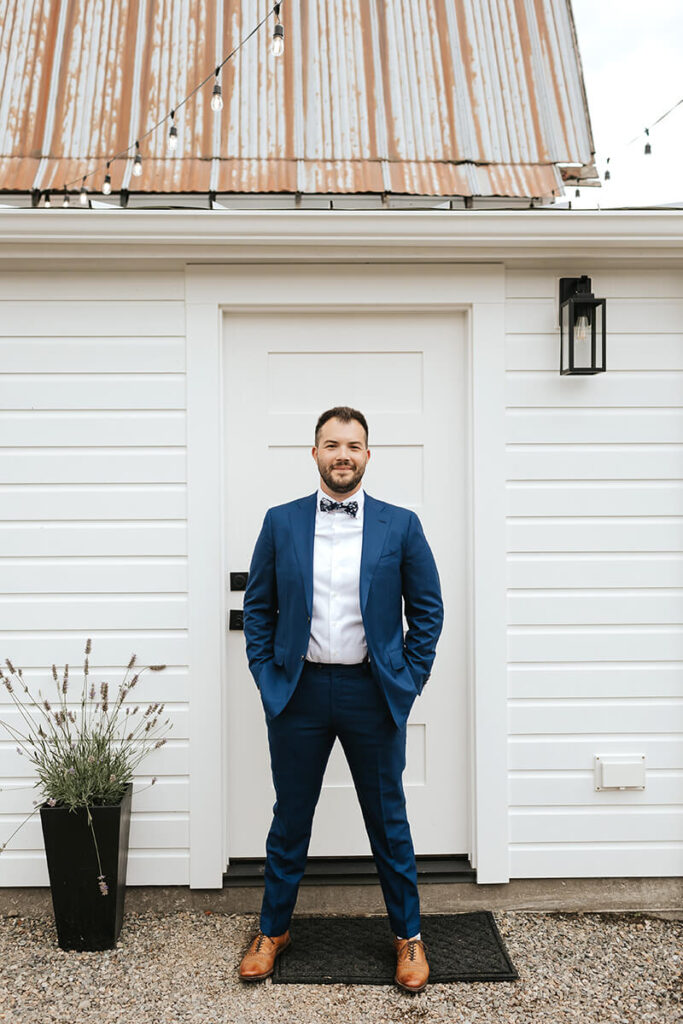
[259,941]
[411,948]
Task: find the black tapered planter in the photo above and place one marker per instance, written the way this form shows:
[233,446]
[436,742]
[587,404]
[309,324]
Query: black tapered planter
[85,919]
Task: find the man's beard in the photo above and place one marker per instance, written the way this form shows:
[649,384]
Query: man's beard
[350,483]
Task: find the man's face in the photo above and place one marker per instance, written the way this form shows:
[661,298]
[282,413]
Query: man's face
[341,457]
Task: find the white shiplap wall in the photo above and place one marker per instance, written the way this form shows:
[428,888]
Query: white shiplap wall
[595,578]
[93,543]
[93,527]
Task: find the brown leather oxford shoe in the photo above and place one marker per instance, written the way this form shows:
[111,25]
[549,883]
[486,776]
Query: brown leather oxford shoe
[259,960]
[412,969]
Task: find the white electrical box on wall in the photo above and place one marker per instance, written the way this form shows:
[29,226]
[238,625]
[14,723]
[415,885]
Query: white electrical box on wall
[619,771]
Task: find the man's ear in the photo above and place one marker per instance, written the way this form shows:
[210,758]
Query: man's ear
[313,451]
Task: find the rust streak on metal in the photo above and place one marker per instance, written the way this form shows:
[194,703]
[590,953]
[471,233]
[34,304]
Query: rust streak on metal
[470,65]
[525,47]
[383,13]
[559,92]
[449,81]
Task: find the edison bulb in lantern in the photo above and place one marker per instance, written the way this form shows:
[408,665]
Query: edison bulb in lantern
[582,328]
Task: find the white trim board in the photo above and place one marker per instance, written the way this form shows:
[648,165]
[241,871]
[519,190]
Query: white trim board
[29,237]
[480,290]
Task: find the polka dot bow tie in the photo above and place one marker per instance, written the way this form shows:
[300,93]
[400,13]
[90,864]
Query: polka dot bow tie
[327,505]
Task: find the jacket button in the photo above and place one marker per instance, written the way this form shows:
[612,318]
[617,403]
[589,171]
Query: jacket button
[302,657]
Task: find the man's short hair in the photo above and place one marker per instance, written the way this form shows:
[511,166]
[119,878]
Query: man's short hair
[344,413]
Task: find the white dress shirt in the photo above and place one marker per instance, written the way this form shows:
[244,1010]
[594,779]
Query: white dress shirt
[337,633]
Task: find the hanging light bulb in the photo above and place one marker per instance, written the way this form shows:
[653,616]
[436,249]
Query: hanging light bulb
[84,194]
[106,188]
[278,46]
[66,197]
[137,163]
[216,98]
[607,173]
[48,204]
[648,147]
[173,134]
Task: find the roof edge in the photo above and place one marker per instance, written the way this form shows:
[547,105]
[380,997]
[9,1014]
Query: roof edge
[217,236]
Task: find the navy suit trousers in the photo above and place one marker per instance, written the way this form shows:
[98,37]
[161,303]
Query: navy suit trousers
[343,701]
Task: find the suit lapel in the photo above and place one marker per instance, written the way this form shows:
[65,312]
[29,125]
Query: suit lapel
[302,520]
[375,525]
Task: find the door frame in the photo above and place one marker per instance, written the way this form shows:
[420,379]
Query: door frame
[478,290]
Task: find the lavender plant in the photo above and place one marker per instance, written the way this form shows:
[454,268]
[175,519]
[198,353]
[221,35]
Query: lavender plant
[86,760]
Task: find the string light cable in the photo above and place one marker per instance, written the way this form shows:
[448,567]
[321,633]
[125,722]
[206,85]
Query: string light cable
[646,131]
[216,104]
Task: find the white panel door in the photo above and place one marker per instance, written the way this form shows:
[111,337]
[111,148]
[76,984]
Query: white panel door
[407,373]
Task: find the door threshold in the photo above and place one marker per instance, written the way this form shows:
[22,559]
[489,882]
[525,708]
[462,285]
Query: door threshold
[352,870]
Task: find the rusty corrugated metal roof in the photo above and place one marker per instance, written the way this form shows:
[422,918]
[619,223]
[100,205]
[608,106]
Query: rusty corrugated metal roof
[421,97]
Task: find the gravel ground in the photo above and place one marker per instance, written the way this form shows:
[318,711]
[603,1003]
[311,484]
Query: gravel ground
[181,967]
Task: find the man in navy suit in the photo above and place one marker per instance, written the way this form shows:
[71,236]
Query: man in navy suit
[330,578]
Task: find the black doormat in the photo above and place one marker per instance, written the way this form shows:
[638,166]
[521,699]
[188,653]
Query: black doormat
[360,951]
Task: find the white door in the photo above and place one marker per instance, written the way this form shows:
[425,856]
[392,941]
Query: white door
[406,372]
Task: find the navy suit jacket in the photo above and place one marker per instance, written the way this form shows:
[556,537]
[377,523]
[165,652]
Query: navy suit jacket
[397,569]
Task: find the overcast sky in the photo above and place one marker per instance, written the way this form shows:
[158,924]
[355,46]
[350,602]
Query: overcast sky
[632,55]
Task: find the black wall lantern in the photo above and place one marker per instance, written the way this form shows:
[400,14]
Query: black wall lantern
[583,332]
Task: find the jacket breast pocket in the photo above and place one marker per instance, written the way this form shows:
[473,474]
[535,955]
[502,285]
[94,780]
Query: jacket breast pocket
[395,553]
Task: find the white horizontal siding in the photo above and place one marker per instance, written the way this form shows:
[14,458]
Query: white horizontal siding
[80,538]
[167,794]
[93,354]
[103,501]
[147,831]
[161,574]
[169,686]
[82,317]
[584,679]
[568,788]
[632,859]
[32,428]
[70,391]
[595,579]
[93,541]
[545,606]
[568,717]
[175,712]
[171,758]
[625,533]
[595,498]
[86,465]
[145,867]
